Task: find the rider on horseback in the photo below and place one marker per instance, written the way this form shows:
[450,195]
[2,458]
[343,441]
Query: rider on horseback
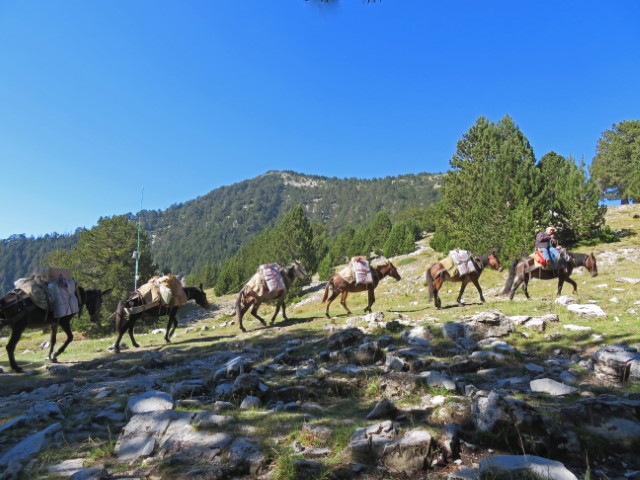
[548,245]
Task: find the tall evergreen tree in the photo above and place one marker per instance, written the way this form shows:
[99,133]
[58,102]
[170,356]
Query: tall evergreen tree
[616,166]
[493,172]
[102,258]
[377,232]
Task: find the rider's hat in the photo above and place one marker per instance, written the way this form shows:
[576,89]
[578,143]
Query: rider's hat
[551,230]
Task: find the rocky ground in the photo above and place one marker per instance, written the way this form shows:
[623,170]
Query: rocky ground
[405,392]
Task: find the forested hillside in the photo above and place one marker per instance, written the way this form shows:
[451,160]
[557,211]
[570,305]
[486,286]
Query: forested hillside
[211,228]
[19,254]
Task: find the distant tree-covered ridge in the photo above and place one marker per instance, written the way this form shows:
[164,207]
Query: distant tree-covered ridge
[199,235]
[213,227]
[19,254]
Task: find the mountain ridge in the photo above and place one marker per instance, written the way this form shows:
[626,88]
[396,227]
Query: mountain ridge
[213,226]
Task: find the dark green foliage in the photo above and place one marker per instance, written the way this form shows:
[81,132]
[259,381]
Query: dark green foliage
[377,233]
[616,166]
[401,239]
[291,239]
[495,197]
[103,259]
[213,227]
[493,171]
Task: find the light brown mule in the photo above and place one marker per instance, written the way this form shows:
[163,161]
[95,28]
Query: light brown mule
[437,274]
[340,286]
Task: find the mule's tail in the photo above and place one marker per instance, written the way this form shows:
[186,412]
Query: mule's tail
[430,283]
[512,276]
[326,291]
[119,315]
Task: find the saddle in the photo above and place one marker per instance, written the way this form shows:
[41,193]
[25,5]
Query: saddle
[16,302]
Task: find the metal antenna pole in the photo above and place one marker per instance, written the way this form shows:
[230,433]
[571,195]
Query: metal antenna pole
[135,278]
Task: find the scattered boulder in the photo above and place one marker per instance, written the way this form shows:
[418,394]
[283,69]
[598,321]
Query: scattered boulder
[505,467]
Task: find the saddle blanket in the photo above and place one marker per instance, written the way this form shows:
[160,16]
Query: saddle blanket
[51,288]
[272,276]
[166,290]
[358,271]
[258,284]
[63,296]
[541,263]
[37,291]
[530,263]
[462,261]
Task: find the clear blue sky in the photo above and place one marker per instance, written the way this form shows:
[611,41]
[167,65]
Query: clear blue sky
[101,98]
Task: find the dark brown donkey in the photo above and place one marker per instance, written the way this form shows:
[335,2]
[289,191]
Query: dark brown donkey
[125,322]
[437,274]
[338,285]
[19,312]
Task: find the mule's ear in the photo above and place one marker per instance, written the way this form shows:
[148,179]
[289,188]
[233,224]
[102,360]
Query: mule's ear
[201,288]
[107,291]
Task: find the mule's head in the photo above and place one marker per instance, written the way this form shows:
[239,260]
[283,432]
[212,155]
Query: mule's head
[494,261]
[200,297]
[299,271]
[93,302]
[591,265]
[390,270]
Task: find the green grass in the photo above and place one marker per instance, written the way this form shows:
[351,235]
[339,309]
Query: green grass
[348,400]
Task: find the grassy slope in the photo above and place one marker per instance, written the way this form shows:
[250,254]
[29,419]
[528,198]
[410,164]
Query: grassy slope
[406,301]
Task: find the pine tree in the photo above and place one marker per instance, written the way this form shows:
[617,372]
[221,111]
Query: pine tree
[493,172]
[103,258]
[401,240]
[616,166]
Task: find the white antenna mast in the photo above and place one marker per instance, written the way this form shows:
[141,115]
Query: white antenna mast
[136,254]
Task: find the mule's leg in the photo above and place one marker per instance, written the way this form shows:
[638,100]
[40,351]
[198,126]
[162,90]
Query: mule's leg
[172,323]
[65,323]
[116,345]
[130,325]
[334,294]
[477,284]
[343,301]
[437,284]
[516,284]
[561,281]
[241,313]
[279,303]
[167,331]
[525,287]
[371,298]
[254,312]
[462,287]
[16,333]
[52,341]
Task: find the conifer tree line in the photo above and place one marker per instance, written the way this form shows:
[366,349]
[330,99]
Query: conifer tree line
[494,197]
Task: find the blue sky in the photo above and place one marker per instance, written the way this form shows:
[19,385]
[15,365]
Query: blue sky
[101,98]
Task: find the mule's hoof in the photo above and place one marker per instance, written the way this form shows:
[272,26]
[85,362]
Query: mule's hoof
[243,329]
